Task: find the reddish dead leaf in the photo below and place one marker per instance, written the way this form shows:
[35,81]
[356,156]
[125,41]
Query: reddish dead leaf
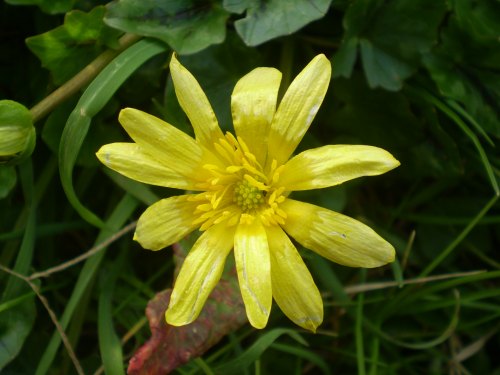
[170,347]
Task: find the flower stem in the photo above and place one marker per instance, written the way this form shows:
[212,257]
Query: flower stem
[49,103]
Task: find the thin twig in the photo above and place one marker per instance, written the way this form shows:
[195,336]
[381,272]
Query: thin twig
[474,347]
[353,289]
[52,315]
[92,251]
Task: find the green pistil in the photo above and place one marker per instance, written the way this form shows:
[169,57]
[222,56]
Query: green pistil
[247,196]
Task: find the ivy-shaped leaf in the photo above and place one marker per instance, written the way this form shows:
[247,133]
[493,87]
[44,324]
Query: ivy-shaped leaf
[68,48]
[187,26]
[269,19]
[390,39]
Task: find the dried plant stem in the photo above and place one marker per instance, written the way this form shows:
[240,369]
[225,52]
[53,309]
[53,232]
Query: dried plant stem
[354,289]
[89,253]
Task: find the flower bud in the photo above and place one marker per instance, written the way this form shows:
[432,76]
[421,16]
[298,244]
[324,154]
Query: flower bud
[17,133]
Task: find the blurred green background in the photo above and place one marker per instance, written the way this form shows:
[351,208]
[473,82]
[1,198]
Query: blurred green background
[419,78]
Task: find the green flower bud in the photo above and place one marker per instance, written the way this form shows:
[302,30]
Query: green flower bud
[17,133]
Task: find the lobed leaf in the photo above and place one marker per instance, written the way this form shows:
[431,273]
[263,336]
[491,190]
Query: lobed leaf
[68,48]
[269,19]
[187,26]
[390,39]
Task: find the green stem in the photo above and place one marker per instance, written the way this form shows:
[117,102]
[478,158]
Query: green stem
[49,103]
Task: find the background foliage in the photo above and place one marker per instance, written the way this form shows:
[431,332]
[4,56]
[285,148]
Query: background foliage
[420,78]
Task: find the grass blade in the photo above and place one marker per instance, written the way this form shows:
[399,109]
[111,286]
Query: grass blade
[92,101]
[119,216]
[253,353]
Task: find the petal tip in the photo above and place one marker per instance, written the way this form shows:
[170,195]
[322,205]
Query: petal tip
[174,320]
[145,244]
[258,323]
[174,62]
[102,155]
[394,163]
[311,324]
[321,59]
[386,256]
[392,255]
[126,114]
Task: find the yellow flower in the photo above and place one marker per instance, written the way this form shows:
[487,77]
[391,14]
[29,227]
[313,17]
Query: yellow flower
[240,188]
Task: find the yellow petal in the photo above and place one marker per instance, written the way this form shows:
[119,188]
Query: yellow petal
[336,237]
[130,160]
[165,142]
[332,165]
[298,108]
[253,104]
[294,289]
[165,222]
[199,274]
[251,252]
[195,104]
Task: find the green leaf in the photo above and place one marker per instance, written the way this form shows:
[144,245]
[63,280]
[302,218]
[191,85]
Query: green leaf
[480,20]
[269,19]
[92,101]
[48,6]
[345,58]
[109,342]
[236,365]
[237,6]
[464,65]
[187,26]
[16,323]
[121,213]
[8,179]
[391,35]
[382,69]
[15,326]
[458,82]
[68,48]
[308,354]
[101,132]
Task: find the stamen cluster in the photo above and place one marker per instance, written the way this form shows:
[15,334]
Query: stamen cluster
[239,189]
[247,196]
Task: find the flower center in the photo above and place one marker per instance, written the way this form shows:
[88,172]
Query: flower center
[239,188]
[247,196]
